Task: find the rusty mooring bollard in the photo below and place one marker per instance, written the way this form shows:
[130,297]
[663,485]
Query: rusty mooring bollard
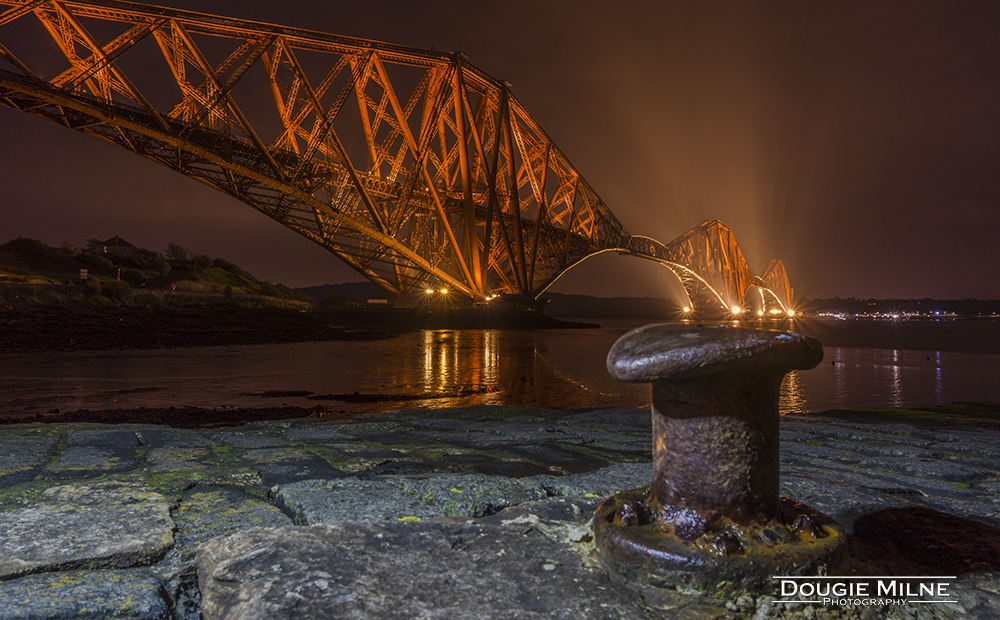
[712,519]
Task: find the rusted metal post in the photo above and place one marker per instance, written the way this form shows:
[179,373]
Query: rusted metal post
[712,518]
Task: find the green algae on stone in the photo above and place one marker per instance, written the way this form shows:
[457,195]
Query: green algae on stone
[93,524]
[24,495]
[178,458]
[229,476]
[206,512]
[311,502]
[178,468]
[133,594]
[352,458]
[291,463]
[22,456]
[471,495]
[86,461]
[600,482]
[165,437]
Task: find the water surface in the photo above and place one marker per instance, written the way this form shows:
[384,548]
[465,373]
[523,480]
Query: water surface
[558,369]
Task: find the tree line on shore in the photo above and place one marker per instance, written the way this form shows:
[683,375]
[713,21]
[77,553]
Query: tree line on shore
[32,271]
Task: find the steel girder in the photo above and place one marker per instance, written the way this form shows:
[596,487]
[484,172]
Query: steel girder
[409,165]
[711,266]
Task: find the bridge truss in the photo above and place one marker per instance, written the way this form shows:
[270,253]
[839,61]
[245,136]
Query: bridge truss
[412,166]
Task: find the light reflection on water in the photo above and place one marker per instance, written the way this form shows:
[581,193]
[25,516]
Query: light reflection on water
[445,368]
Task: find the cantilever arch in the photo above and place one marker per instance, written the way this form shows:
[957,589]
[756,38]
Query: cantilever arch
[712,519]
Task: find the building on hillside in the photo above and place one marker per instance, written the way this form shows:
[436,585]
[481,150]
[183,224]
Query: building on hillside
[116,245]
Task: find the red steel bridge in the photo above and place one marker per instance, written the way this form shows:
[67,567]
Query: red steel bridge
[412,166]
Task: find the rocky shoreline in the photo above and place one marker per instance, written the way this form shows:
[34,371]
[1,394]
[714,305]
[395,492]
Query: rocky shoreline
[453,513]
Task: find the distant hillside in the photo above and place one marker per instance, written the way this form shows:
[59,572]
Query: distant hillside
[34,272]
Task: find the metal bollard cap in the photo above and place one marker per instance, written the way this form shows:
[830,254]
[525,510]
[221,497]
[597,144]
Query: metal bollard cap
[672,351]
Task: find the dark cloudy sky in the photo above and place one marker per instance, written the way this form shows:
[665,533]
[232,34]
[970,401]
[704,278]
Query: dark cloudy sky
[857,141]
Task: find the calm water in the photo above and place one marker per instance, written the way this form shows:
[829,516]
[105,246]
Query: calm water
[544,368]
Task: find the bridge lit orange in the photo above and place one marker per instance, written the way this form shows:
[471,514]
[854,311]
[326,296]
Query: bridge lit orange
[438,174]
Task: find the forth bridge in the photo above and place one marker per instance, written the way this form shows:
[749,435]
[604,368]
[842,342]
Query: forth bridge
[412,166]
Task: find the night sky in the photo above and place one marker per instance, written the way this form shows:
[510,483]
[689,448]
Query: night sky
[857,141]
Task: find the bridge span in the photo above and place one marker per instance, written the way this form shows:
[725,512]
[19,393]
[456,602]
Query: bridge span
[412,166]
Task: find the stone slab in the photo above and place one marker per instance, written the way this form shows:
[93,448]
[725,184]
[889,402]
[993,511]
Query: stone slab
[316,432]
[600,482]
[470,495]
[379,499]
[133,594]
[392,570]
[311,502]
[844,503]
[206,512]
[250,440]
[173,438]
[397,468]
[91,461]
[556,458]
[177,459]
[97,524]
[281,465]
[202,514]
[22,456]
[934,469]
[103,438]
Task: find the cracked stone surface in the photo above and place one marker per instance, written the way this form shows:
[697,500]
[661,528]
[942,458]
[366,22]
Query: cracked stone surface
[21,457]
[460,570]
[77,496]
[87,461]
[103,524]
[133,594]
